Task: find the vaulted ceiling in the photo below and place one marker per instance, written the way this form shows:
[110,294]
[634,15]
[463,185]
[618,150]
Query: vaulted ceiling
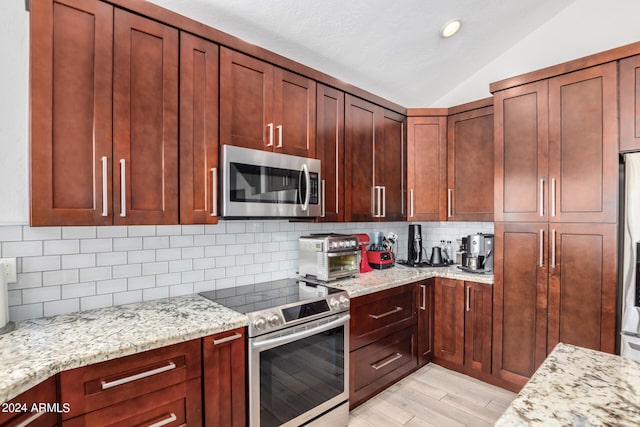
[390,48]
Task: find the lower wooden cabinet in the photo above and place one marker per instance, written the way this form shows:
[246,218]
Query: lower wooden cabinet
[30,408]
[224,401]
[424,294]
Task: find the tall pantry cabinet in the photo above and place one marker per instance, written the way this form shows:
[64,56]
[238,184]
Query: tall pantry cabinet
[555,247]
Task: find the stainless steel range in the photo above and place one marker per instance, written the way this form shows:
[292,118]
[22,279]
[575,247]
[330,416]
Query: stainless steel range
[298,351]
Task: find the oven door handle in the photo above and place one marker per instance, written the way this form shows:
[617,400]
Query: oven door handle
[274,342]
[342,253]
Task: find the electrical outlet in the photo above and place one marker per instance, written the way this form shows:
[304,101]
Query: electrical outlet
[8,269]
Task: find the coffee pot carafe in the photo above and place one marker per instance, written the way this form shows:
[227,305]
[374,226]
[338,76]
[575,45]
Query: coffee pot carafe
[436,256]
[414,253]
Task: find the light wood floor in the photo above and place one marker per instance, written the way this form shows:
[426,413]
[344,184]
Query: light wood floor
[434,396]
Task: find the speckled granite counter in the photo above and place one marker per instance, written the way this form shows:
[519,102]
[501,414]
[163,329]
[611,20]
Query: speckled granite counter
[578,387]
[40,348]
[379,280]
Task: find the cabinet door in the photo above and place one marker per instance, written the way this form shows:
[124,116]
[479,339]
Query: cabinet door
[521,153]
[198,130]
[294,100]
[583,140]
[470,166]
[477,329]
[145,121]
[330,151]
[426,168]
[448,325]
[582,286]
[71,111]
[629,93]
[224,379]
[360,130]
[45,392]
[390,164]
[519,300]
[424,291]
[246,101]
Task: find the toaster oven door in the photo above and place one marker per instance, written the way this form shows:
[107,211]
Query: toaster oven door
[342,264]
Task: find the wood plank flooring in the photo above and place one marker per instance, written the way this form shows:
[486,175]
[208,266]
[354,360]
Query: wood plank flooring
[434,396]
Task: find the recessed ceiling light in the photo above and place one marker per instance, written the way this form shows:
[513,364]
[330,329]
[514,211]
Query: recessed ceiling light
[450,28]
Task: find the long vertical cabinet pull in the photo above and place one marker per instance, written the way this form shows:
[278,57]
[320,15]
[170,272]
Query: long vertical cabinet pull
[279,128]
[105,198]
[383,191]
[541,248]
[449,197]
[123,188]
[270,143]
[411,215]
[553,197]
[322,203]
[424,297]
[553,248]
[541,197]
[467,298]
[214,191]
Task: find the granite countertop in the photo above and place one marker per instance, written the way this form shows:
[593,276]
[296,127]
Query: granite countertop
[398,275]
[40,348]
[575,386]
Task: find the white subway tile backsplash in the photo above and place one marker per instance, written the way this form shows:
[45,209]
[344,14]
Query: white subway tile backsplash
[127,244]
[11,233]
[110,232]
[52,308]
[128,297]
[207,285]
[168,254]
[78,232]
[40,233]
[168,279]
[192,229]
[215,228]
[61,247]
[97,301]
[15,297]
[168,230]
[180,266]
[182,289]
[21,249]
[78,290]
[111,286]
[93,274]
[181,241]
[42,263]
[192,252]
[225,239]
[234,250]
[60,277]
[192,276]
[149,255]
[155,268]
[161,242]
[27,280]
[26,311]
[155,293]
[204,240]
[128,270]
[111,258]
[144,282]
[142,230]
[236,227]
[47,293]
[225,261]
[79,261]
[214,251]
[214,273]
[96,245]
[203,263]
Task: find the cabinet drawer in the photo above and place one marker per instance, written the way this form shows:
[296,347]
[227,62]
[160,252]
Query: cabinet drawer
[178,405]
[103,384]
[376,315]
[44,393]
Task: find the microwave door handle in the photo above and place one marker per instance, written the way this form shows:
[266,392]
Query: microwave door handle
[307,195]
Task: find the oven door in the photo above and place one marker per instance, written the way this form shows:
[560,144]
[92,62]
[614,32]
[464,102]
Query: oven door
[342,264]
[298,373]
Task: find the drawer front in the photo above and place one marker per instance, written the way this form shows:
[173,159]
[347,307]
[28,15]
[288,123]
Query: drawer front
[103,384]
[178,405]
[40,404]
[373,314]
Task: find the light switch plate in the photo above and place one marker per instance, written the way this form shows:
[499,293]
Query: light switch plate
[8,269]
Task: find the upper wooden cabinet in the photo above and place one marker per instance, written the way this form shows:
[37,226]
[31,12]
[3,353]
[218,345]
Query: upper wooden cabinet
[629,101]
[375,161]
[556,148]
[426,168]
[330,151]
[470,163]
[104,111]
[198,130]
[265,107]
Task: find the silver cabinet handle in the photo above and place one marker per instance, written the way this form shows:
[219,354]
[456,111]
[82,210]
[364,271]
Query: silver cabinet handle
[270,126]
[323,207]
[388,361]
[307,194]
[383,190]
[411,212]
[279,127]
[105,199]
[467,298]
[171,418]
[379,198]
[106,385]
[424,297]
[553,248]
[449,210]
[541,247]
[226,339]
[553,197]
[123,188]
[541,197]
[375,201]
[31,419]
[214,192]
[374,190]
[388,313]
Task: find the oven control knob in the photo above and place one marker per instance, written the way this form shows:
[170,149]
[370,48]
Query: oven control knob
[344,301]
[259,323]
[334,303]
[274,320]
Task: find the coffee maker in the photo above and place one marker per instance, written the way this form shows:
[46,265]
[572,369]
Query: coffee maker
[414,253]
[480,253]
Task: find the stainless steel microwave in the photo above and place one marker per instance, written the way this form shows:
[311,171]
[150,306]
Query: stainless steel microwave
[257,184]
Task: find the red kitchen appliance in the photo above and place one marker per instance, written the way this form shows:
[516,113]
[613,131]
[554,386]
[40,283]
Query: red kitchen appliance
[380,259]
[363,242]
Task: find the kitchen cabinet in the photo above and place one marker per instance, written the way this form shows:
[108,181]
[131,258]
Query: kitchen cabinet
[547,134]
[470,162]
[462,325]
[424,294]
[198,130]
[330,152]
[223,379]
[104,131]
[375,161]
[36,407]
[426,167]
[266,107]
[553,283]
[382,341]
[156,386]
[629,102]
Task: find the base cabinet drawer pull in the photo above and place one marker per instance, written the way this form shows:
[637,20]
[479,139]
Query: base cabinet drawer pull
[389,360]
[106,385]
[31,419]
[171,418]
[226,339]
[388,313]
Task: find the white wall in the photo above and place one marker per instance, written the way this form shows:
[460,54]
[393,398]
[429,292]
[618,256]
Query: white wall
[583,28]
